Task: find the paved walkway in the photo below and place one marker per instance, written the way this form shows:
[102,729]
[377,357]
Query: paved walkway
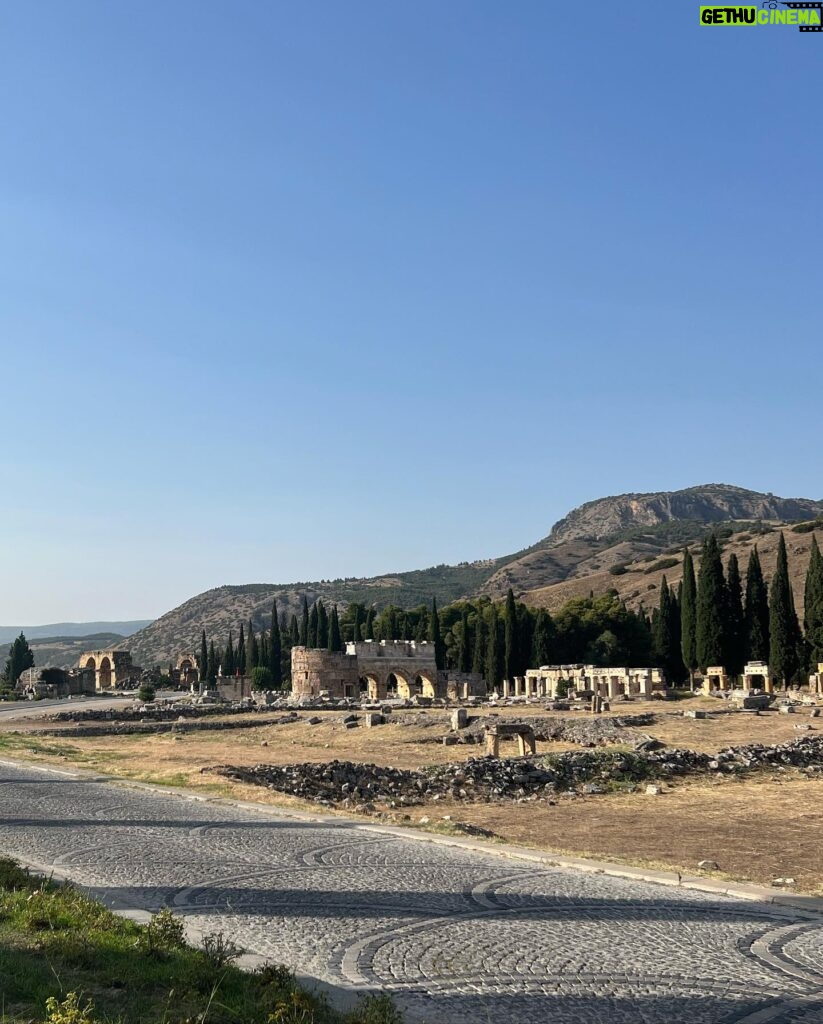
[459,936]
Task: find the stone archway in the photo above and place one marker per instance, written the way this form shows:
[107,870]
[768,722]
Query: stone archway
[92,664]
[104,674]
[424,685]
[392,685]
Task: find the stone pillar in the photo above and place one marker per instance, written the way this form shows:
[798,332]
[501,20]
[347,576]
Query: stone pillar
[505,688]
[614,687]
[645,687]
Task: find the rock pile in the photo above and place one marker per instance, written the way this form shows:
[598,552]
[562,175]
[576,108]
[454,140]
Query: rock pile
[484,779]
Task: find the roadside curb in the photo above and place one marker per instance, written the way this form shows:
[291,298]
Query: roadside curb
[807,906]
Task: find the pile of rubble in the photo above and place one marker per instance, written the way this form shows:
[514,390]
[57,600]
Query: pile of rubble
[486,779]
[588,732]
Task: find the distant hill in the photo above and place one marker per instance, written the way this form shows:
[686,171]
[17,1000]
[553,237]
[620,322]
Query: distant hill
[627,532]
[69,629]
[64,651]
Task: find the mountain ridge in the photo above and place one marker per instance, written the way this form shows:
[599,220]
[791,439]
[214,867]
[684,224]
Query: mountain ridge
[590,541]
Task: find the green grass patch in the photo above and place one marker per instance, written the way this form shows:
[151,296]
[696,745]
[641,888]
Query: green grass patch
[66,959]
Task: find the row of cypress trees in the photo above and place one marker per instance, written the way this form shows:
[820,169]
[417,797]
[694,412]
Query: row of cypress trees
[712,621]
[253,651]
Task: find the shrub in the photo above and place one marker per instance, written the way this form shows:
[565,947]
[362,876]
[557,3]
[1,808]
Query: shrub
[262,678]
[163,933]
[146,693]
[219,951]
[69,1011]
[815,524]
[662,563]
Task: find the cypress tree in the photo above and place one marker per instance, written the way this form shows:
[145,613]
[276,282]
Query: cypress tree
[494,654]
[464,656]
[756,611]
[335,642]
[294,630]
[667,635]
[228,658]
[311,638]
[20,658]
[479,653]
[422,630]
[735,657]
[435,637]
[688,616]
[252,651]
[543,639]
[211,673]
[813,607]
[304,625]
[784,630]
[263,653]
[203,667]
[510,658]
[276,649]
[369,627]
[711,607]
[357,635]
[322,626]
[241,653]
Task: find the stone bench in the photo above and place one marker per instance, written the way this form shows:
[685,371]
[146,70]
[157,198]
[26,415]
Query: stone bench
[524,734]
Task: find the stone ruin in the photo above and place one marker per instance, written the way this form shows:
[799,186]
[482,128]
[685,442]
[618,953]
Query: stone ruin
[111,669]
[378,670]
[608,683]
[55,683]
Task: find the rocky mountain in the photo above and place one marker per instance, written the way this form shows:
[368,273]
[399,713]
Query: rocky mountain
[627,541]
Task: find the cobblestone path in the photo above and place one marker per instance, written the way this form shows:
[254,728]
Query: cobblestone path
[458,936]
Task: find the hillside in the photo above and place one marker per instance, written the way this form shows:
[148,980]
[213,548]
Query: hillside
[629,531]
[64,630]
[64,651]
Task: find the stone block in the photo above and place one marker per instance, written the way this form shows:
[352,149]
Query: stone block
[372,719]
[459,719]
[694,714]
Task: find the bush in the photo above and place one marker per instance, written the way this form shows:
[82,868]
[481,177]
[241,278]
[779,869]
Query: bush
[69,1011]
[262,678]
[815,524]
[663,563]
[145,693]
[163,933]
[618,570]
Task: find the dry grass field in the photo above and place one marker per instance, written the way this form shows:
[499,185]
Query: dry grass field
[756,829]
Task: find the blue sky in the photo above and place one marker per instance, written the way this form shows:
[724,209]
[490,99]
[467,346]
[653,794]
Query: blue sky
[294,291]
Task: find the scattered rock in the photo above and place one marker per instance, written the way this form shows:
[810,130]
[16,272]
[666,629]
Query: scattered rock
[708,865]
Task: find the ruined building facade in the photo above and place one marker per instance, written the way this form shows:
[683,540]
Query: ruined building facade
[378,670]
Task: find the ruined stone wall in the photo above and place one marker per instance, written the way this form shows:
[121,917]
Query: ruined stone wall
[313,671]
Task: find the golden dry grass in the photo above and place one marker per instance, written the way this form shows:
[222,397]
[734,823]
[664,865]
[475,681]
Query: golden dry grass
[763,827]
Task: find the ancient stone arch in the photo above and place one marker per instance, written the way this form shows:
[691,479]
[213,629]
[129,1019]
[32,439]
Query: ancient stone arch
[111,668]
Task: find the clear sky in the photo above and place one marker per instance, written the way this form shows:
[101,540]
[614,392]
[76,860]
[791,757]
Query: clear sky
[290,291]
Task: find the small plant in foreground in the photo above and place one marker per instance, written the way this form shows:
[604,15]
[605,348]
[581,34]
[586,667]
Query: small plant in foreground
[219,951]
[69,1011]
[163,933]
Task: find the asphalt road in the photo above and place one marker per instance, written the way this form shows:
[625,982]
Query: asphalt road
[459,936]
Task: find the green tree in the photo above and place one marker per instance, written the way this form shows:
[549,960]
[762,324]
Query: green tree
[322,626]
[813,608]
[666,636]
[203,666]
[464,654]
[229,664]
[294,631]
[241,653]
[311,640]
[543,640]
[357,635]
[688,616]
[252,651]
[435,637]
[510,655]
[784,629]
[368,630]
[335,641]
[494,651]
[20,658]
[304,624]
[711,607]
[756,611]
[211,672]
[479,652]
[262,679]
[735,656]
[276,649]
